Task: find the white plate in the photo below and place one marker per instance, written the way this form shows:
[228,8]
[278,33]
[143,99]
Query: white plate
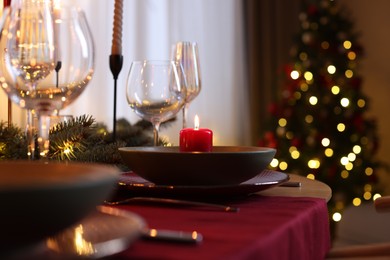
[105,232]
[132,184]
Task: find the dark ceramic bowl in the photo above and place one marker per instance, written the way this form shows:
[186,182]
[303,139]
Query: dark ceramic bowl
[39,199]
[225,165]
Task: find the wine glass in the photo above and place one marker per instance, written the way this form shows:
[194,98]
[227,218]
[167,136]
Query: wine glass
[187,54]
[156,91]
[28,37]
[31,47]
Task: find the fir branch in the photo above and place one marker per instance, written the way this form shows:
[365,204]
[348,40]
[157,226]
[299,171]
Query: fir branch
[80,139]
[68,138]
[13,143]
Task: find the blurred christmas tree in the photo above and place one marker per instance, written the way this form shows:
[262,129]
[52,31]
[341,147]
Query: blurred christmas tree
[319,126]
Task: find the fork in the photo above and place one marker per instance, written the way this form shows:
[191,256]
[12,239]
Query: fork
[173,202]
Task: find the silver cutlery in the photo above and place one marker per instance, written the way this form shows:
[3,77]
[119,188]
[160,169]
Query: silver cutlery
[172,202]
[172,236]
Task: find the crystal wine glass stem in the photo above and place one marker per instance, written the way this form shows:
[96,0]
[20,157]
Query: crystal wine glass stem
[185,114]
[30,135]
[156,128]
[43,135]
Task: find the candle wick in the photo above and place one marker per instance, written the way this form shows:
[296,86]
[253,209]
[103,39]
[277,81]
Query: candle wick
[196,122]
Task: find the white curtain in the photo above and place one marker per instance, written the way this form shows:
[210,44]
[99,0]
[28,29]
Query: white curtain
[149,29]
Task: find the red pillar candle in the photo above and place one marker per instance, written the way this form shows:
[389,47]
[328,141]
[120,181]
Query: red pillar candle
[196,139]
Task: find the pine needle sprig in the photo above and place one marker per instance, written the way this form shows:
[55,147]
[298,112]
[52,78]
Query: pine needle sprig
[67,138]
[13,144]
[80,139]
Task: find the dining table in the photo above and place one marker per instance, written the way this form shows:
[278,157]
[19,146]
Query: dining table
[285,219]
[282,222]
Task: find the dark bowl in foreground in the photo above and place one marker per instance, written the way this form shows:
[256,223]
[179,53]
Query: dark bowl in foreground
[225,165]
[39,199]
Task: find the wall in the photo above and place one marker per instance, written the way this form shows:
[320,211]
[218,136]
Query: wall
[372,19]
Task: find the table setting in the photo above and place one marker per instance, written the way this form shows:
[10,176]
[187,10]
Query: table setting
[235,226]
[125,216]
[188,201]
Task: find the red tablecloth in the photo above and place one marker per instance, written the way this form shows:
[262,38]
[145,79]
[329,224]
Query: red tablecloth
[264,228]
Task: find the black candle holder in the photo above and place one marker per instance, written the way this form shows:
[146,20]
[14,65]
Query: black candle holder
[116,62]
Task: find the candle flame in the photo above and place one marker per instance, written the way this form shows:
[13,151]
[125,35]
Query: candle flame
[196,122]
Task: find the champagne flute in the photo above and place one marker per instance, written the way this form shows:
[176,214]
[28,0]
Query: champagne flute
[31,46]
[186,53]
[155,91]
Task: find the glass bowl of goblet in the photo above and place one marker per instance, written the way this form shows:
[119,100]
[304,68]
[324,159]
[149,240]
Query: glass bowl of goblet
[156,91]
[187,54]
